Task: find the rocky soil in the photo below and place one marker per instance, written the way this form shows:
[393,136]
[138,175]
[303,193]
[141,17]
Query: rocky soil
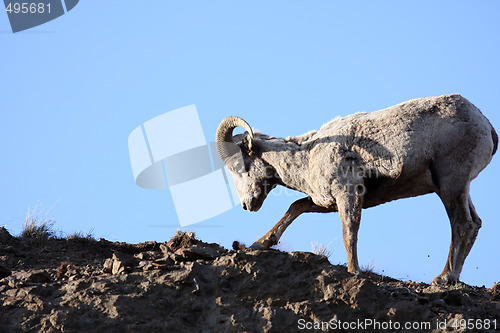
[186,285]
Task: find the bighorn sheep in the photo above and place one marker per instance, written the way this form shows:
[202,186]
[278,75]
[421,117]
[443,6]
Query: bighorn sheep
[425,145]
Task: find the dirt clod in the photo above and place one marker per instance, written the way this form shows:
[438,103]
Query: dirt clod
[63,268]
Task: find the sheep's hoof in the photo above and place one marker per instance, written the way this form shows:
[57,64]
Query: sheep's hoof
[257,246]
[354,271]
[444,279]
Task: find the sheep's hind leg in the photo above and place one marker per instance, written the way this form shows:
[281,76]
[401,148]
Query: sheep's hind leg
[304,205]
[465,224]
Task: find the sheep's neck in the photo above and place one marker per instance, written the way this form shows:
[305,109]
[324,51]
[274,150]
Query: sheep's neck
[290,162]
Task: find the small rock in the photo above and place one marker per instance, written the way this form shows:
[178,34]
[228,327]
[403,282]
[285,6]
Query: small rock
[13,282]
[39,276]
[118,267]
[107,268]
[57,319]
[165,249]
[143,263]
[146,265]
[146,255]
[193,253]
[141,256]
[163,262]
[11,292]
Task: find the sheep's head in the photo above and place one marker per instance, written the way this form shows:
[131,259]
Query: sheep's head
[253,177]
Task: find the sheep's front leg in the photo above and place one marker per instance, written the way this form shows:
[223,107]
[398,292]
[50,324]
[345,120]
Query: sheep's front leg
[304,205]
[349,206]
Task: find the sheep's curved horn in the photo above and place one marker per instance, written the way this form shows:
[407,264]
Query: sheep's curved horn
[224,135]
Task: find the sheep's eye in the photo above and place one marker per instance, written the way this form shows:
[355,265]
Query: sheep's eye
[240,168]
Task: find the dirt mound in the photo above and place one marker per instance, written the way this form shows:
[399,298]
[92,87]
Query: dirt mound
[186,285]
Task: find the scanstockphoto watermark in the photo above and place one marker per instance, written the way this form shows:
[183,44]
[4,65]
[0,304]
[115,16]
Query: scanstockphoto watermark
[369,325]
[373,325]
[171,151]
[26,14]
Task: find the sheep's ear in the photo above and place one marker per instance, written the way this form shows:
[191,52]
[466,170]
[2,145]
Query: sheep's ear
[248,143]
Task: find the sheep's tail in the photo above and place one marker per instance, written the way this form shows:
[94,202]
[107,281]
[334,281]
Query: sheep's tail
[494,136]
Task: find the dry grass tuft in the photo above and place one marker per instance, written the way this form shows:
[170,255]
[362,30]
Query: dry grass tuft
[368,268]
[80,235]
[321,249]
[38,226]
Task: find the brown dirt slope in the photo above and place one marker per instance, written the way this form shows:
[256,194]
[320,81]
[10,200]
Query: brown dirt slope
[186,285]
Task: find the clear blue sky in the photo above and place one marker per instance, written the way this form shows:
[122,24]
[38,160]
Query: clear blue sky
[73,89]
